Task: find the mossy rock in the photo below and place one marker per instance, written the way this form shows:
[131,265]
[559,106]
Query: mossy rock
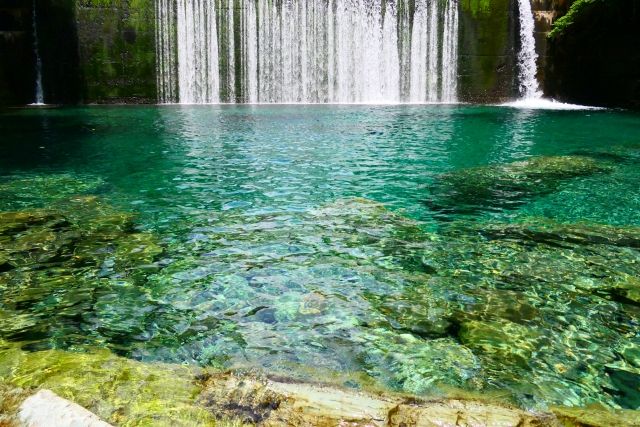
[121,391]
[18,192]
[627,289]
[58,266]
[545,231]
[506,341]
[507,186]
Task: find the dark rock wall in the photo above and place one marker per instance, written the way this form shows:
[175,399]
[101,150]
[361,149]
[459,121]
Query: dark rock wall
[595,55]
[58,48]
[487,49]
[117,50]
[17,72]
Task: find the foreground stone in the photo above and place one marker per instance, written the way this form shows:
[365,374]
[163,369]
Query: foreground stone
[268,402]
[45,408]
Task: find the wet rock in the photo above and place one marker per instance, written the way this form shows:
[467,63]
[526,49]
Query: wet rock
[272,402]
[626,381]
[544,231]
[504,340]
[627,289]
[118,390]
[596,416]
[506,186]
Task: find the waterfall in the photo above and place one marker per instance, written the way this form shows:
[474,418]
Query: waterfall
[307,51]
[527,57]
[39,93]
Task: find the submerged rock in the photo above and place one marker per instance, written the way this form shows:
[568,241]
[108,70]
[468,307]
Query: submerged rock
[545,231]
[506,186]
[505,341]
[628,289]
[56,264]
[28,191]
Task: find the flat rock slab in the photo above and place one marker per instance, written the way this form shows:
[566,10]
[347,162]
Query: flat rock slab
[274,403]
[47,409]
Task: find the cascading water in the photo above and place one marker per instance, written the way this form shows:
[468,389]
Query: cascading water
[187,51]
[307,51]
[527,57]
[39,93]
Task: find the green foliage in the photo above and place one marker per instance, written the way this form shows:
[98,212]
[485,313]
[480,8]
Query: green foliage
[577,8]
[477,7]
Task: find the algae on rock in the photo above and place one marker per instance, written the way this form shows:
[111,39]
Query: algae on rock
[507,186]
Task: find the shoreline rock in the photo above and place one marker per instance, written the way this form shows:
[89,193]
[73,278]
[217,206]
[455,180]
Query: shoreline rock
[277,402]
[45,408]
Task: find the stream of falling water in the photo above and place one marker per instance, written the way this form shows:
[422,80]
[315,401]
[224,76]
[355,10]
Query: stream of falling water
[307,51]
[527,56]
[39,92]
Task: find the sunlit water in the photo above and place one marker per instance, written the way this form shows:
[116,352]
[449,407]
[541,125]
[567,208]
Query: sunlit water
[355,239]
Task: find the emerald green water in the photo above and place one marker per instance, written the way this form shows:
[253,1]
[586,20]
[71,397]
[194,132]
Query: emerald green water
[400,243]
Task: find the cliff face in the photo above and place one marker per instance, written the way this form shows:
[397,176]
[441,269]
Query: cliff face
[594,54]
[546,13]
[487,43]
[116,41]
[16,53]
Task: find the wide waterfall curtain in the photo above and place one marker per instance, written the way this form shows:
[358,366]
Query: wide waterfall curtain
[307,51]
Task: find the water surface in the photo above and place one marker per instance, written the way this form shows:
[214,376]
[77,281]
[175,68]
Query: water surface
[390,242]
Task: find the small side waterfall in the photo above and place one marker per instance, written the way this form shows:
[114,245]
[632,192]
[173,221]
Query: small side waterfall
[527,57]
[39,93]
[307,51]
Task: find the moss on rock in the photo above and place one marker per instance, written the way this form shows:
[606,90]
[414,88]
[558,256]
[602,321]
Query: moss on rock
[508,185]
[121,391]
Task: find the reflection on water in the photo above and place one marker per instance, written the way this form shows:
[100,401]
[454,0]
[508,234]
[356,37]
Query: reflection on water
[425,247]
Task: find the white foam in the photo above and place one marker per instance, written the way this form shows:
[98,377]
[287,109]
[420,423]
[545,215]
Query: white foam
[546,104]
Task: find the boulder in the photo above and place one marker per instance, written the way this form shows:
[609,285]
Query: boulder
[46,409]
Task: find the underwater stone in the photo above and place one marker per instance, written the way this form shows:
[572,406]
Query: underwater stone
[628,289]
[626,381]
[506,186]
[17,192]
[57,266]
[505,340]
[541,230]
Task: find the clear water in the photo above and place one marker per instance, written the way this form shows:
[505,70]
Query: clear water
[390,242]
